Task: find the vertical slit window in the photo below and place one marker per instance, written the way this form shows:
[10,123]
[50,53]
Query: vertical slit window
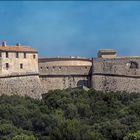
[21,66]
[24,55]
[34,56]
[7,66]
[17,55]
[7,55]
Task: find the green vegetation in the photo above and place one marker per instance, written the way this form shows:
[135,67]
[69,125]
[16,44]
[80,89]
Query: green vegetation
[71,115]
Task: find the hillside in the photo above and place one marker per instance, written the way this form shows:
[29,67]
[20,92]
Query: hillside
[71,115]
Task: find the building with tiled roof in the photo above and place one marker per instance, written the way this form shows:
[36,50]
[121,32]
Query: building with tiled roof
[18,60]
[17,48]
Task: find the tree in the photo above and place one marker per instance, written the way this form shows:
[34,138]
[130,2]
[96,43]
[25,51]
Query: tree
[133,136]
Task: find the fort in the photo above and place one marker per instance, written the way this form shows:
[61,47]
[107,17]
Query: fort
[23,73]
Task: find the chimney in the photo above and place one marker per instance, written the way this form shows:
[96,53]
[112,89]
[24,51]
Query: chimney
[18,44]
[4,43]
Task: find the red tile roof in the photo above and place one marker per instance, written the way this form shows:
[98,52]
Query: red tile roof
[17,49]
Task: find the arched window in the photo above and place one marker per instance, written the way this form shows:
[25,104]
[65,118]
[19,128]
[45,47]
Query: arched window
[134,65]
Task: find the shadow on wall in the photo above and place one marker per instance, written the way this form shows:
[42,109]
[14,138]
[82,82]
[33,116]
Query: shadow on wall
[82,83]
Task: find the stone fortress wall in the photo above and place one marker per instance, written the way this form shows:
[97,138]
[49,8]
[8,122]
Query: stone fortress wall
[22,73]
[62,73]
[116,74]
[107,72]
[27,85]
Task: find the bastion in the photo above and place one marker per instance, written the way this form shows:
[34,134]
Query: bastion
[64,72]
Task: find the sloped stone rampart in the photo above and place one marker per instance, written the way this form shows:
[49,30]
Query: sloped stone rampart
[21,85]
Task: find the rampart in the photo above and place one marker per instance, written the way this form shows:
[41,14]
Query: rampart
[107,73]
[23,85]
[116,74]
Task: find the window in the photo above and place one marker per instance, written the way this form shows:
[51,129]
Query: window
[0,54]
[17,56]
[34,56]
[133,65]
[7,55]
[24,55]
[21,66]
[7,65]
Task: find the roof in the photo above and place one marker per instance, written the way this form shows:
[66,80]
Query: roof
[106,51]
[63,59]
[17,49]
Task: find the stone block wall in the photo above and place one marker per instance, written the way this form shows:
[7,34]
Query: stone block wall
[117,74]
[114,83]
[63,82]
[22,85]
[117,66]
[64,70]
[62,73]
[29,64]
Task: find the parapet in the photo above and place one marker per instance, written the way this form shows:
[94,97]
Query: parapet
[106,53]
[65,61]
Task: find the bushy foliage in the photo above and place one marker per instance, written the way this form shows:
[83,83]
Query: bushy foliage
[71,115]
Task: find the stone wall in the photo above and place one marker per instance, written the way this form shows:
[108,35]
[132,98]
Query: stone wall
[118,74]
[62,73]
[114,83]
[117,66]
[63,82]
[64,70]
[22,85]
[29,64]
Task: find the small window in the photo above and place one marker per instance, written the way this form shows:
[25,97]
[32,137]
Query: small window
[7,65]
[7,55]
[17,55]
[133,65]
[21,66]
[34,56]
[24,55]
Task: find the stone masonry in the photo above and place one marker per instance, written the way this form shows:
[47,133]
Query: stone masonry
[22,85]
[107,72]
